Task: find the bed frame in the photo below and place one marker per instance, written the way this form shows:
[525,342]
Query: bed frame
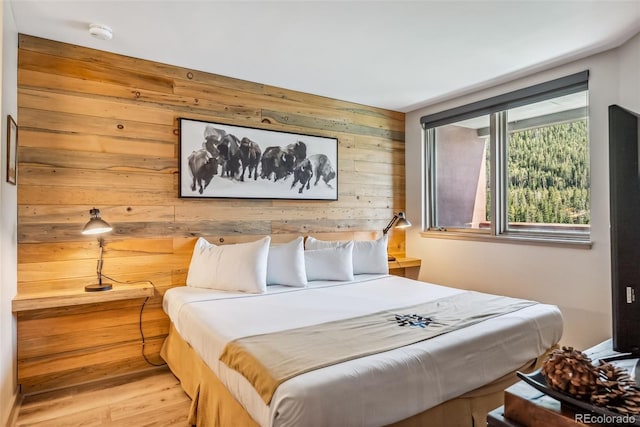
[213,405]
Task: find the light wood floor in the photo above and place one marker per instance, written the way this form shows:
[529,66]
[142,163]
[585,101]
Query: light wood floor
[153,398]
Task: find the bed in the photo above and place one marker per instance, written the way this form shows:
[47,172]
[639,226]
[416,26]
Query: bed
[451,379]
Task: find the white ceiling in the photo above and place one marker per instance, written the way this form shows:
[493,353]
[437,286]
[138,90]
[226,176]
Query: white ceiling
[398,55]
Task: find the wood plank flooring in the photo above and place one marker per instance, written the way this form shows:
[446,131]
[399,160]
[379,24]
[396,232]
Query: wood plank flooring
[153,398]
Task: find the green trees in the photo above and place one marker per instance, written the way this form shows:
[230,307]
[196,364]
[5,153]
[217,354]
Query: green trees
[549,174]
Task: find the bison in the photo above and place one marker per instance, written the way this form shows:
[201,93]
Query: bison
[229,148]
[203,167]
[322,169]
[298,151]
[277,162]
[250,156]
[302,174]
[213,132]
[281,162]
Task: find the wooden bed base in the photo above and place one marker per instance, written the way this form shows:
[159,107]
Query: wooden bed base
[213,405]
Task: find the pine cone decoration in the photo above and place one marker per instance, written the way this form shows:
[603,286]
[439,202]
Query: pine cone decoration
[571,372]
[606,385]
[616,390]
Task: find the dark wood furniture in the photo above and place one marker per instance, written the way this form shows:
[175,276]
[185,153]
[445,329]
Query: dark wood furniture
[525,406]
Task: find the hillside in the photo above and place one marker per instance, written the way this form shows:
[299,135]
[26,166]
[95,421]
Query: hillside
[549,174]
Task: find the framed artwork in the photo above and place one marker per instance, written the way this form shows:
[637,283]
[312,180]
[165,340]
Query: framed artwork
[12,150]
[218,160]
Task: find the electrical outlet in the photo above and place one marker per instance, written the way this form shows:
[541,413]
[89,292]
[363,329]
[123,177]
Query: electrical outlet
[631,295]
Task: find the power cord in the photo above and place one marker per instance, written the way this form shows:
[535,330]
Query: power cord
[144,303]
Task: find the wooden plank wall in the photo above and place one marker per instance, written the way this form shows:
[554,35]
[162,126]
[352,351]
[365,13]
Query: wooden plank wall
[101,130]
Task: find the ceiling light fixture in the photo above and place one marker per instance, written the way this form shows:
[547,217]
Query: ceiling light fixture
[101,32]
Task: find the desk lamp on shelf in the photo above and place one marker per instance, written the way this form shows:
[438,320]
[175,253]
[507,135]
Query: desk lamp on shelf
[400,221]
[97,226]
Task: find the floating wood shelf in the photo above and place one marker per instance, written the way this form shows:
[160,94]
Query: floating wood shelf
[405,267]
[71,297]
[402,262]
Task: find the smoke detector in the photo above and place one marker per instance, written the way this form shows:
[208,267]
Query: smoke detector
[101,32]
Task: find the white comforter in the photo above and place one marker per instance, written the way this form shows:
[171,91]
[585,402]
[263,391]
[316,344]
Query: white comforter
[373,390]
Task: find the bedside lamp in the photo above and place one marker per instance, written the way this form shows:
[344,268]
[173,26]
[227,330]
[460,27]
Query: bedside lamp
[97,225]
[400,221]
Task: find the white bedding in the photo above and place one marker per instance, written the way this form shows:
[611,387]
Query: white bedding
[369,391]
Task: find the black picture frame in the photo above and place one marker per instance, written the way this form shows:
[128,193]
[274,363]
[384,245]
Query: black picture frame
[219,160]
[12,151]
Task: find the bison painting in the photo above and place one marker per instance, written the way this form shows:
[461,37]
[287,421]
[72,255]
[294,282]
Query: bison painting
[220,160]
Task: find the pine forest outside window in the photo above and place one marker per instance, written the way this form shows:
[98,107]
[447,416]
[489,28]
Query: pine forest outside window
[516,165]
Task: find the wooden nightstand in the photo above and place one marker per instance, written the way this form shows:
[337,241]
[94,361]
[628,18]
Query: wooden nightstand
[405,267]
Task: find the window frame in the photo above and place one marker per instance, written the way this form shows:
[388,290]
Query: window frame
[497,108]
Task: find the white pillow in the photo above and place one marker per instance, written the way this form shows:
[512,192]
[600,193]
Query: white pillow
[285,265]
[369,256]
[334,263]
[240,267]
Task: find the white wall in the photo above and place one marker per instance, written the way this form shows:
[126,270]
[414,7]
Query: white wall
[577,280]
[630,75]
[8,217]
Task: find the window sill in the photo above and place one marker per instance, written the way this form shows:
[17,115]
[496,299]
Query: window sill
[513,239]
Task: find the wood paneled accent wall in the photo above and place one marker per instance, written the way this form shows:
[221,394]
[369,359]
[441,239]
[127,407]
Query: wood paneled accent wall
[101,130]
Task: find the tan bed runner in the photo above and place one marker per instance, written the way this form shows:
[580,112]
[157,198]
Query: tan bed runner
[268,360]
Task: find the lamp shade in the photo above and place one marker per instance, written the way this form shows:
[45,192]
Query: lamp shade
[402,222]
[399,220]
[96,225]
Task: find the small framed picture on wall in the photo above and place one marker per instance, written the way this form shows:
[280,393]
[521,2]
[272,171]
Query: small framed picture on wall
[12,150]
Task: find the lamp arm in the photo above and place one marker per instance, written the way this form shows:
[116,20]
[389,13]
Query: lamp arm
[99,266]
[388,227]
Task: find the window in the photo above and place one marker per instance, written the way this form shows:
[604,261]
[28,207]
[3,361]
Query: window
[462,190]
[516,165]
